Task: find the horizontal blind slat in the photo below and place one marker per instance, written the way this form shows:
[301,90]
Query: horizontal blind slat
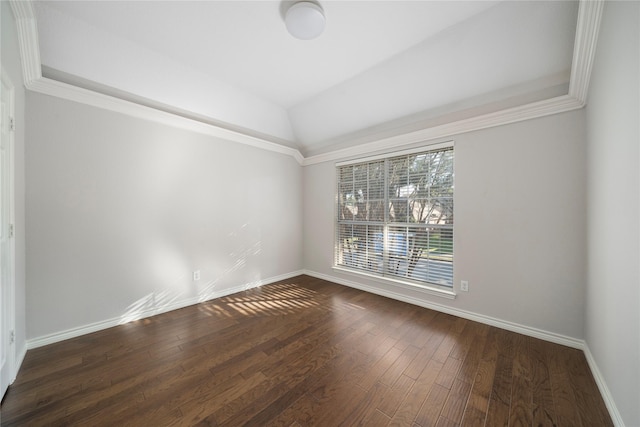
[414,195]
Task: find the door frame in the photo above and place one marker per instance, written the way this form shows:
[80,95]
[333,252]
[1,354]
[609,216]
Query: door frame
[10,186]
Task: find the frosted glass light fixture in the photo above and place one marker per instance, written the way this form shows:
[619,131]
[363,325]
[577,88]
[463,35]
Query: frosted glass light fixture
[305,20]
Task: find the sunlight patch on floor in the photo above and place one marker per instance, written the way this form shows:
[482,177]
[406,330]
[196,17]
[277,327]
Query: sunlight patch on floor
[271,300]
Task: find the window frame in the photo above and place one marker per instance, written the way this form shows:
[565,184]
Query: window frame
[384,277]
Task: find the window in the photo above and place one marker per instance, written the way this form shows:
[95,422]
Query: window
[395,216]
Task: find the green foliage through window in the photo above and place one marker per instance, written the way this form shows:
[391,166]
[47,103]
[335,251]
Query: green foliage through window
[395,217]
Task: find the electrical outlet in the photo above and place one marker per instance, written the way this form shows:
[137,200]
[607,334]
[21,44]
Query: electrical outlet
[464,286]
[196,275]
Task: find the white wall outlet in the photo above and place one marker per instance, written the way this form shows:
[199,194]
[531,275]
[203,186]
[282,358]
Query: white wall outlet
[196,275]
[464,286]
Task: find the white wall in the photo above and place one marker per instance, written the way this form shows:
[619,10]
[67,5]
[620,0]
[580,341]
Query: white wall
[120,211]
[613,277]
[12,66]
[519,231]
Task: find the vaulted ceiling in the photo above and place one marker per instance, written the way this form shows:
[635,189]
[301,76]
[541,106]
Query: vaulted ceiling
[380,69]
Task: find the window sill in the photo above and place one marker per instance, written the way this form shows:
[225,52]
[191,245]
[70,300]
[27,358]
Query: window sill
[426,289]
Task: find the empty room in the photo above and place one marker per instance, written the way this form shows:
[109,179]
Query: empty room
[320,213]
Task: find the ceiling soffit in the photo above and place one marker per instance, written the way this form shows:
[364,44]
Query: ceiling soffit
[584,49]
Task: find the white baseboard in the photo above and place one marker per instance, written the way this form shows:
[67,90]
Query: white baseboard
[18,362]
[488,320]
[604,390]
[109,323]
[503,324]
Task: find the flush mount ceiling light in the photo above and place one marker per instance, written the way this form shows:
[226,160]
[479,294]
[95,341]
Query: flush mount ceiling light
[305,20]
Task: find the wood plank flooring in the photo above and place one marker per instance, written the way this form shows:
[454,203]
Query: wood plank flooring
[304,352]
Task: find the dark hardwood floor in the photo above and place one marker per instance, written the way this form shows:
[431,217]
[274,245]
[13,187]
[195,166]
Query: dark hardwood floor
[304,352]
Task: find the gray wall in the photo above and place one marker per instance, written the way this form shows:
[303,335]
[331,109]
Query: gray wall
[12,66]
[613,278]
[519,233]
[120,211]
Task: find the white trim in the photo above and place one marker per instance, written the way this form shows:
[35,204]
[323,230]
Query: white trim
[20,358]
[604,390]
[425,289]
[107,102]
[587,27]
[27,29]
[488,320]
[33,80]
[385,280]
[11,362]
[584,49]
[499,323]
[432,146]
[109,323]
[530,111]
[510,326]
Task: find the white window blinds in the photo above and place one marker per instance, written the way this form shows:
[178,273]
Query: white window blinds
[395,217]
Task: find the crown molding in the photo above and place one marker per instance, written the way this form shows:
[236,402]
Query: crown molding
[27,28]
[33,80]
[587,28]
[88,97]
[530,111]
[584,49]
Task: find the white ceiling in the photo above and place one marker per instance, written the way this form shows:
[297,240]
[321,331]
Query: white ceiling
[379,65]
